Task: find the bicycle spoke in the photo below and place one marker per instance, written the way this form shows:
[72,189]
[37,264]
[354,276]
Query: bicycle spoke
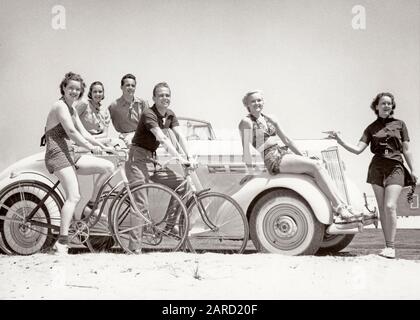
[38,233]
[223,228]
[160,223]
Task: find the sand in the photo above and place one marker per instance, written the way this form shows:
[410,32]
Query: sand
[166,276]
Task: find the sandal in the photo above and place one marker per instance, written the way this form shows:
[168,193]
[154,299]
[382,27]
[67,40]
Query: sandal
[345,215]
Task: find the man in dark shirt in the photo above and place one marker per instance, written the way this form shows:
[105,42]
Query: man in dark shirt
[126,111]
[147,138]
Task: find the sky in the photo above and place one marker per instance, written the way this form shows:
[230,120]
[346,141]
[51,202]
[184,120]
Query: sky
[317,69]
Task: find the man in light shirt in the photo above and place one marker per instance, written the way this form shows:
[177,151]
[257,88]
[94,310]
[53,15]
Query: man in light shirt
[126,111]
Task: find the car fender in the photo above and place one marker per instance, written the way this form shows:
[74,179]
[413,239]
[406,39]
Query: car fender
[31,176]
[29,168]
[302,184]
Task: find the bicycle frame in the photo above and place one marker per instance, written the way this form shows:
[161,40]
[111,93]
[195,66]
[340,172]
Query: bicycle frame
[192,193]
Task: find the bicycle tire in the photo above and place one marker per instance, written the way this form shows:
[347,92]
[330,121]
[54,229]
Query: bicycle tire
[166,232]
[231,232]
[29,238]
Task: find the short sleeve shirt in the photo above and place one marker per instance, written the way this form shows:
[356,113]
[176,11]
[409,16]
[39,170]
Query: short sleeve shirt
[125,115]
[386,137]
[151,118]
[95,120]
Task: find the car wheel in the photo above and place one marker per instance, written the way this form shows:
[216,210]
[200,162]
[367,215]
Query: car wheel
[333,243]
[282,222]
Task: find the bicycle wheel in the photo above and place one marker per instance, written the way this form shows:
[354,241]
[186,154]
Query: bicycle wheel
[38,234]
[218,224]
[165,211]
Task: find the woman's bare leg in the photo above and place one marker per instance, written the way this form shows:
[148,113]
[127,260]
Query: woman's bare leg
[392,193]
[68,179]
[380,196]
[291,163]
[89,165]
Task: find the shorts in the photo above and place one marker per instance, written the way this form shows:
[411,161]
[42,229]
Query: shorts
[385,172]
[273,156]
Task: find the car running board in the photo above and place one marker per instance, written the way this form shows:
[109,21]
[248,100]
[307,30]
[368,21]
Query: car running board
[348,228]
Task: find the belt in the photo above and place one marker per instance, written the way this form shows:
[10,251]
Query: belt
[141,147]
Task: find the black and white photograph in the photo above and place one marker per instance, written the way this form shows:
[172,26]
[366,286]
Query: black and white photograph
[223,150]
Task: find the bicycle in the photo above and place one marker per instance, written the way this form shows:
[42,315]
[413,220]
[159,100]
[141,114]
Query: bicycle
[218,222]
[30,214]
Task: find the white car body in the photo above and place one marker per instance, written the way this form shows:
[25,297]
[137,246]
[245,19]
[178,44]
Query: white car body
[222,170]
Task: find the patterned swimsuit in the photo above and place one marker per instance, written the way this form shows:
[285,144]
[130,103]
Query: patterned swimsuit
[273,154]
[59,152]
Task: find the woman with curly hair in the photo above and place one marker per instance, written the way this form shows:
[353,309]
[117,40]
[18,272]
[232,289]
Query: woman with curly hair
[63,124]
[389,141]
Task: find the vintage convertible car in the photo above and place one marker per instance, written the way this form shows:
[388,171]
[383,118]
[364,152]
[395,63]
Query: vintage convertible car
[287,213]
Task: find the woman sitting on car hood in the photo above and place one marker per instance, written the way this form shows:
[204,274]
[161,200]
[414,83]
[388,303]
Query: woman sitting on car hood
[264,133]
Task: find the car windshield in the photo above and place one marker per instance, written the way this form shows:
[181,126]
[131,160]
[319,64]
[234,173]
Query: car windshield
[196,129]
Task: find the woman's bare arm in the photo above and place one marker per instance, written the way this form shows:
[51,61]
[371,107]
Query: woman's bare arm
[245,130]
[286,140]
[409,158]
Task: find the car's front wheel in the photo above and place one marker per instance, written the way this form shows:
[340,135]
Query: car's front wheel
[282,222]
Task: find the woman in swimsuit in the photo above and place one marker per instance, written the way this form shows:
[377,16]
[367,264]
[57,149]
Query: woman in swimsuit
[264,133]
[389,141]
[94,118]
[63,124]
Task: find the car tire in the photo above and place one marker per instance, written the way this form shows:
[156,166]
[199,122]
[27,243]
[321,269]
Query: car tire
[282,222]
[333,243]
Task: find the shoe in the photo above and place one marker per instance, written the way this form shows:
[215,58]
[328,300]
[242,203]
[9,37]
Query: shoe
[170,230]
[388,253]
[137,251]
[61,249]
[355,214]
[345,215]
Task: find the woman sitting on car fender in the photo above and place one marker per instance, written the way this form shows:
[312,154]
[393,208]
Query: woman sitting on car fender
[265,133]
[63,124]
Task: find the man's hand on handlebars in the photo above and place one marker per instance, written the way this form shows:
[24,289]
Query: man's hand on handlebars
[190,163]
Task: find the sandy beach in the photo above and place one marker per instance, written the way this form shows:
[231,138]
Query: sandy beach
[207,276]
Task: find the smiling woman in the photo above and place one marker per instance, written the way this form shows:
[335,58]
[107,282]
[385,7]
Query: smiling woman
[93,116]
[265,134]
[389,141]
[63,124]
